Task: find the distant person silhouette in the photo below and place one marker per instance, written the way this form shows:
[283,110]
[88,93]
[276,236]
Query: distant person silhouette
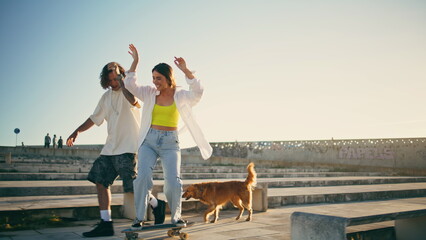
[60,142]
[47,141]
[54,140]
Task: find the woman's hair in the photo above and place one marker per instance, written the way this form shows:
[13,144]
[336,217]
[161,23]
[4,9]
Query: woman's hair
[105,73]
[167,71]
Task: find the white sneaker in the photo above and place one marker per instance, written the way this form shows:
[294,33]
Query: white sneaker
[137,224]
[181,223]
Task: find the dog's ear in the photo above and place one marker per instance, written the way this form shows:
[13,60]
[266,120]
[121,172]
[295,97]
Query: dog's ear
[200,190]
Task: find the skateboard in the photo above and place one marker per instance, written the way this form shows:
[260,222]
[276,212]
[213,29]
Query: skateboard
[173,230]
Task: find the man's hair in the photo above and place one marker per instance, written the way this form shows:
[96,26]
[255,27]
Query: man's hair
[105,73]
[167,71]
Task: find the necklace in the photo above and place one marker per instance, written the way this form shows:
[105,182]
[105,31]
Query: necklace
[114,108]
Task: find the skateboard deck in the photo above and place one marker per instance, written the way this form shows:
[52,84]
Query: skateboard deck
[173,230]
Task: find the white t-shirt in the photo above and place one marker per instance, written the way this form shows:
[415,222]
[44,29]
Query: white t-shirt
[123,122]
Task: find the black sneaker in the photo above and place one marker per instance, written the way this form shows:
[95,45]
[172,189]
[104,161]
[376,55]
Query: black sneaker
[137,224]
[181,223]
[102,229]
[160,212]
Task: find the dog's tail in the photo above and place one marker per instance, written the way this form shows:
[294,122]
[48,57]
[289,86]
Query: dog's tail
[252,176]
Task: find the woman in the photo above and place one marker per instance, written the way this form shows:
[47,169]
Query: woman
[158,137]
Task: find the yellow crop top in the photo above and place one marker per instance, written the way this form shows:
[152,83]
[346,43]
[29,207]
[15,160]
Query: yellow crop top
[166,116]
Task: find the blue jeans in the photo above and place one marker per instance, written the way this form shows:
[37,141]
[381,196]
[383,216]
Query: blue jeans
[163,145]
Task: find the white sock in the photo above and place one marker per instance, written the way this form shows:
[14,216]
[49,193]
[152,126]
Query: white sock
[106,215]
[153,201]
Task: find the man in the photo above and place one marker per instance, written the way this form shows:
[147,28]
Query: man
[121,111]
[60,142]
[47,141]
[54,141]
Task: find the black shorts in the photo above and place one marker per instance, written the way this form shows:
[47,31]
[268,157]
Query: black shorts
[105,170]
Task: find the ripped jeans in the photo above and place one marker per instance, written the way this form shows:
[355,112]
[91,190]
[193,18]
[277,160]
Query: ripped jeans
[165,146]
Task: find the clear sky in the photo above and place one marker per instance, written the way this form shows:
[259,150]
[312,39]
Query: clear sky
[272,70]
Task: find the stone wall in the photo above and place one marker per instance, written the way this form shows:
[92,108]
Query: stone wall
[79,152]
[401,155]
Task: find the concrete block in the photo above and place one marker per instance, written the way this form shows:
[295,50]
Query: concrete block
[410,228]
[8,158]
[319,198]
[409,225]
[300,199]
[307,226]
[260,197]
[275,201]
[128,209]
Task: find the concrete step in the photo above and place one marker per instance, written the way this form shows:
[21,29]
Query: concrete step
[17,176]
[84,167]
[337,181]
[52,202]
[269,175]
[77,187]
[79,207]
[73,206]
[273,224]
[51,188]
[69,206]
[50,160]
[239,169]
[85,206]
[335,194]
[41,168]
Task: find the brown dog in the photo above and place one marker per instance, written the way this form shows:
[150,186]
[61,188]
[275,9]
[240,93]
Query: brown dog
[217,194]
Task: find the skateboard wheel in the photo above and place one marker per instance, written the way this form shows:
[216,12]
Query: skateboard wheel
[170,233]
[183,236]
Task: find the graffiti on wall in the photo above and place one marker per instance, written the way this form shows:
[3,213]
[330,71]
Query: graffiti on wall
[365,153]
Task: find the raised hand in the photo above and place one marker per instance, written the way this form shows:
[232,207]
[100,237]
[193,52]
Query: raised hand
[133,52]
[180,63]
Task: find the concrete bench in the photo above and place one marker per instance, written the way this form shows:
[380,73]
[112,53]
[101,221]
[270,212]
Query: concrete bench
[409,225]
[7,157]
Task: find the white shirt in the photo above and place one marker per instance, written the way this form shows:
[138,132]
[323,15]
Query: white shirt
[123,122]
[184,100]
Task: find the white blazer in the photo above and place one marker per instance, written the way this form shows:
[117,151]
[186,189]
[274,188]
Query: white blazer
[184,100]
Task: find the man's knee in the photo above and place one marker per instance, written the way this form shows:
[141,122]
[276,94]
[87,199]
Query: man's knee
[128,185]
[101,187]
